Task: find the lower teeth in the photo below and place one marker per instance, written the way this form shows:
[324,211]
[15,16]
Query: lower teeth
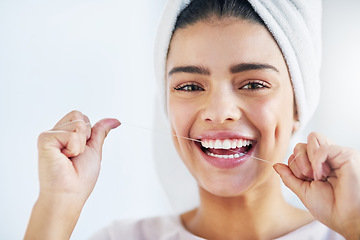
[226,156]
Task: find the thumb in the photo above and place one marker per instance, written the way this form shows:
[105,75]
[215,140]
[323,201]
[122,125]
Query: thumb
[296,185]
[99,132]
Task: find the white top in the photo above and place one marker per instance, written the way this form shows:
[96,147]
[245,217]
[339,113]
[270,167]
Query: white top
[170,228]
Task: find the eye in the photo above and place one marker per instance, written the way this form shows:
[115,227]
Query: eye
[255,85]
[189,87]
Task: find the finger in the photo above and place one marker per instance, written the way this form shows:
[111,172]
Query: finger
[313,145]
[296,170]
[71,144]
[314,141]
[100,131]
[295,184]
[79,126]
[317,157]
[329,158]
[321,139]
[72,116]
[304,165]
[299,163]
[299,149]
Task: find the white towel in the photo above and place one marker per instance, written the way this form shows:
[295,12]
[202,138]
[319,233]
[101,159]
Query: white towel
[295,25]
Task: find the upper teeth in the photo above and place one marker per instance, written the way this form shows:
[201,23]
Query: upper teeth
[225,144]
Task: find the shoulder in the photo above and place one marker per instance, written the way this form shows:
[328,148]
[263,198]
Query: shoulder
[314,230]
[155,228]
[170,228]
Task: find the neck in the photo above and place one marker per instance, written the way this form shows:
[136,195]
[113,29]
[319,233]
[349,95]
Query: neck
[259,213]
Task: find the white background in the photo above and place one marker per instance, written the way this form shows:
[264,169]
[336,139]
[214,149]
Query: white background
[96,56]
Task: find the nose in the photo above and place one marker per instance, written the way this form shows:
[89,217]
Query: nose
[221,106]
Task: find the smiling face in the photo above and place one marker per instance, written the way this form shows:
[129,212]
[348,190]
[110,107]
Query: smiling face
[228,86]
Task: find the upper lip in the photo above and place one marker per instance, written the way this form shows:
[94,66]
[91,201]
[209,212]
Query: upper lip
[222,135]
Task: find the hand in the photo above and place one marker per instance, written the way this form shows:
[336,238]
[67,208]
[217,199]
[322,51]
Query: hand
[70,155]
[69,165]
[326,178]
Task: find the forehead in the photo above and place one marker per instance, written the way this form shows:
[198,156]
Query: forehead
[223,42]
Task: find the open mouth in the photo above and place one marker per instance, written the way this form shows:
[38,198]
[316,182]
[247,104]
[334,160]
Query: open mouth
[226,148]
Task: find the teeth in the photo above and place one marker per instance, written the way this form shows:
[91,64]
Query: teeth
[218,144]
[240,143]
[226,156]
[225,144]
[211,144]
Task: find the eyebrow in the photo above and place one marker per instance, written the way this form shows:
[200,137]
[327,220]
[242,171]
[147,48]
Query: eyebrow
[237,68]
[190,69]
[251,66]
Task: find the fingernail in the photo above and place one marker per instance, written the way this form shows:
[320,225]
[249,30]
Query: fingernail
[318,176]
[276,167]
[118,123]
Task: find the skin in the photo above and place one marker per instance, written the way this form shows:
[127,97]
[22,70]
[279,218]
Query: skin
[242,195]
[69,165]
[225,105]
[239,203]
[236,203]
[336,200]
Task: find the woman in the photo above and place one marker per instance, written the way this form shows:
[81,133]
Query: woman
[238,83]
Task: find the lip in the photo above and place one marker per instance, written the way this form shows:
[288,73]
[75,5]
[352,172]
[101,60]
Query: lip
[223,135]
[221,162]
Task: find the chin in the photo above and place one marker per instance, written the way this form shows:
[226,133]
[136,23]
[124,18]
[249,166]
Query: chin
[229,183]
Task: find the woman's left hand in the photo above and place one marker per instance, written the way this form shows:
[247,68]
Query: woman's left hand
[326,178]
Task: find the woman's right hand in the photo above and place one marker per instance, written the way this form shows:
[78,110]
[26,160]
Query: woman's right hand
[69,165]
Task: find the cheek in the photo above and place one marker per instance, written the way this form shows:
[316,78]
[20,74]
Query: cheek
[273,115]
[182,114]
[272,112]
[274,119]
[179,116]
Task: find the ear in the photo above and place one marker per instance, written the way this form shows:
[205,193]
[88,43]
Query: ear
[296,125]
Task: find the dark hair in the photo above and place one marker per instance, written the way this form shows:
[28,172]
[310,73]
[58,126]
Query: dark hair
[198,10]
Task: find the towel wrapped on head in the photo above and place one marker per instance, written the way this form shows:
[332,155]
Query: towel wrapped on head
[296,27]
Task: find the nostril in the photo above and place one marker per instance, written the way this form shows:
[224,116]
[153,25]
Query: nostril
[220,113]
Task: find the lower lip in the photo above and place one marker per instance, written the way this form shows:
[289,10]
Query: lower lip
[226,163]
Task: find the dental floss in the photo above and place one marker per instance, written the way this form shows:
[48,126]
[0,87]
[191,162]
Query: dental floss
[195,140]
[295,158]
[158,131]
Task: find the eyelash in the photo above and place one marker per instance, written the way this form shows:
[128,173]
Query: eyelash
[258,85]
[186,87]
[253,85]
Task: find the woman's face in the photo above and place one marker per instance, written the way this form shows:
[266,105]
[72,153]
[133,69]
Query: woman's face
[228,87]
